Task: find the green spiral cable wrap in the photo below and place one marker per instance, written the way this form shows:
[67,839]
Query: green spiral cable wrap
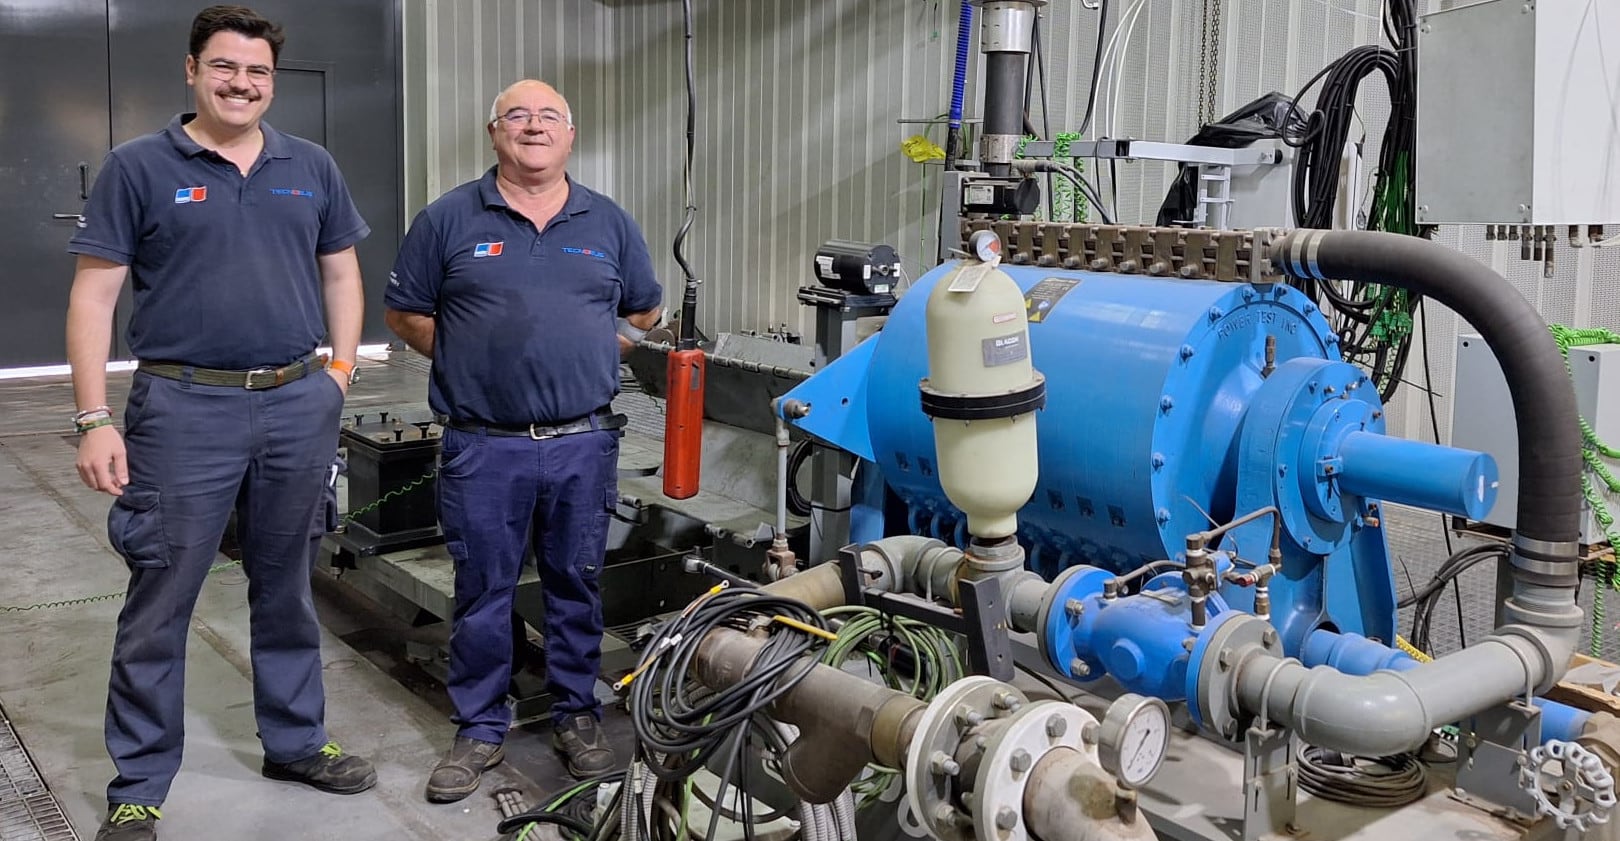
[347,518]
[1593,452]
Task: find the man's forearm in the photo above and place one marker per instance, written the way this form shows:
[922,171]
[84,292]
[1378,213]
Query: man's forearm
[415,328]
[344,295]
[89,341]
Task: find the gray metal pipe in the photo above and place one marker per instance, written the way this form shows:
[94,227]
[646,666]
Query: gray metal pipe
[1070,798]
[844,721]
[1386,713]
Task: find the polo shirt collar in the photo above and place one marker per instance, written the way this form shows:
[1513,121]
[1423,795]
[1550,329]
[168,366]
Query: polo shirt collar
[275,143]
[579,198]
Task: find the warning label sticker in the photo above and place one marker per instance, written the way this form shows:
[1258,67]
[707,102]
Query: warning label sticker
[1043,296]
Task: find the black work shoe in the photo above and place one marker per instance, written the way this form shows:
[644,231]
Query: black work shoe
[128,822]
[331,771]
[459,772]
[581,742]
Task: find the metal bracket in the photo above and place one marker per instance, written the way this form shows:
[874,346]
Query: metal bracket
[1489,752]
[1270,783]
[1194,253]
[983,620]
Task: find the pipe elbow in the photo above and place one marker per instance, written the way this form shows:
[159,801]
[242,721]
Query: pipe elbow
[1376,715]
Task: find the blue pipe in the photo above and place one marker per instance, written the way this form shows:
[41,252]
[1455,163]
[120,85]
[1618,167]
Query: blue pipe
[1354,654]
[964,42]
[1460,482]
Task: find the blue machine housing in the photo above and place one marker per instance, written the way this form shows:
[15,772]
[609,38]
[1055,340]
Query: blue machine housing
[1163,418]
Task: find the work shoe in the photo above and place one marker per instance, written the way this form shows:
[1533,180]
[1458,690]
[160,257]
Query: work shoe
[458,773]
[581,743]
[128,822]
[330,770]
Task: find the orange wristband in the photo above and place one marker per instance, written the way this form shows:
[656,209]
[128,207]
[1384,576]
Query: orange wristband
[343,365]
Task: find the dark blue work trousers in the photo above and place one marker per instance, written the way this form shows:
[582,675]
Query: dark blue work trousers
[196,453]
[494,493]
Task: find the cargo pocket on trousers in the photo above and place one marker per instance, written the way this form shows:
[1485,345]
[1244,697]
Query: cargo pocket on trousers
[135,528]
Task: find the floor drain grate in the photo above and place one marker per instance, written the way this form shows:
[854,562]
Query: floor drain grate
[28,810]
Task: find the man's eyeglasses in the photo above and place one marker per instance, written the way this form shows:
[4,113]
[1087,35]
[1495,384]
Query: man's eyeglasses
[518,118]
[226,70]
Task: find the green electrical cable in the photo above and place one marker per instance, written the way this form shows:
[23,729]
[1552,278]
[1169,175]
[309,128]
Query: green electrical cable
[104,597]
[347,518]
[1593,450]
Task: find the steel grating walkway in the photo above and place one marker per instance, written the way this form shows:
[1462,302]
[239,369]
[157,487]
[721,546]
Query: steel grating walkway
[28,810]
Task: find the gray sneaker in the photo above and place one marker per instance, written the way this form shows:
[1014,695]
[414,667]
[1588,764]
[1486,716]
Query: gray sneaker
[128,822]
[459,772]
[582,744]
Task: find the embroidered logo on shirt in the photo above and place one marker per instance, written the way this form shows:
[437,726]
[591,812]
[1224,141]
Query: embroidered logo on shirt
[190,195]
[284,191]
[488,249]
[588,252]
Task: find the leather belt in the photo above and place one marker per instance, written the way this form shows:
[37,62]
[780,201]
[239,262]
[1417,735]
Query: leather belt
[599,419]
[254,379]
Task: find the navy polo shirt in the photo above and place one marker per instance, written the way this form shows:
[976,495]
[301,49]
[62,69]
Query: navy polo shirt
[525,319]
[223,265]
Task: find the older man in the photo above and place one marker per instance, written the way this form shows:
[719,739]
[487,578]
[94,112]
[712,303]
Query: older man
[240,239]
[514,284]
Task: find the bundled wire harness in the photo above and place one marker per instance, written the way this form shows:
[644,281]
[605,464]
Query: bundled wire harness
[1374,322]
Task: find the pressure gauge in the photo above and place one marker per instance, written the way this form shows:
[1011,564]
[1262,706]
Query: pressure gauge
[986,246]
[1133,739]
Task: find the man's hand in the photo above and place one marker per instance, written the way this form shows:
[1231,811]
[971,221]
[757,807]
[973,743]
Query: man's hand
[340,378]
[102,464]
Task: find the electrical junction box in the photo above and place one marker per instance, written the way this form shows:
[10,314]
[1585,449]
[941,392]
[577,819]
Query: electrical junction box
[1482,419]
[1518,117]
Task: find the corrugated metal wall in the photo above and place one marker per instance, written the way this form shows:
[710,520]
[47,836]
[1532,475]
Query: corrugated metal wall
[800,109]
[460,55]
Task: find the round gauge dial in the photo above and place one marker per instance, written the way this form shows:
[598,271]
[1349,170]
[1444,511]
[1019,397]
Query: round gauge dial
[986,246]
[1134,737]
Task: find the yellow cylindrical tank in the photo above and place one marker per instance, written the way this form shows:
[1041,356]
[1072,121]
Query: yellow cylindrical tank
[982,392]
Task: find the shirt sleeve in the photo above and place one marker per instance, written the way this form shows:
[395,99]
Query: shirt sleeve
[110,227]
[341,224]
[642,291]
[413,285]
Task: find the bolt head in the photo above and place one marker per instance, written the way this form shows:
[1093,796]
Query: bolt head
[1225,659]
[944,814]
[1078,667]
[1020,761]
[1056,726]
[1088,733]
[1007,701]
[1269,638]
[1006,818]
[969,717]
[1074,607]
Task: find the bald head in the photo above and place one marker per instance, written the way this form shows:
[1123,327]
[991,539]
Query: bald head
[530,91]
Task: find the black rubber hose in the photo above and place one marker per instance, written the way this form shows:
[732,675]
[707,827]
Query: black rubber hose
[1543,399]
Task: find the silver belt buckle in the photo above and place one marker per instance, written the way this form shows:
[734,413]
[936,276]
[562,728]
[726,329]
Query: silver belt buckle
[536,435]
[256,372]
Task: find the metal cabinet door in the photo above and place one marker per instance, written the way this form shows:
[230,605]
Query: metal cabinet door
[54,133]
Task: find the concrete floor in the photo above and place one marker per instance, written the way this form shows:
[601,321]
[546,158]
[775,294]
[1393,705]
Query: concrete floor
[54,663]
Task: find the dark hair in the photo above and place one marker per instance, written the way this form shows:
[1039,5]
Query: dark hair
[216,19]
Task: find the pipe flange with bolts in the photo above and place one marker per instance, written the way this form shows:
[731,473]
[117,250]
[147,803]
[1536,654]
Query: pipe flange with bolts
[1010,754]
[1217,660]
[1569,784]
[932,768]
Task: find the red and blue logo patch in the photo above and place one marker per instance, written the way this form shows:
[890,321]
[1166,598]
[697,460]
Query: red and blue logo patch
[488,249]
[190,195]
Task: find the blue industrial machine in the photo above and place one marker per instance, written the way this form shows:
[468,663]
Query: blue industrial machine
[1173,405]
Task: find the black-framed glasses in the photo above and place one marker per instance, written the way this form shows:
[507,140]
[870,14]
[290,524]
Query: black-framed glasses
[518,118]
[225,70]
